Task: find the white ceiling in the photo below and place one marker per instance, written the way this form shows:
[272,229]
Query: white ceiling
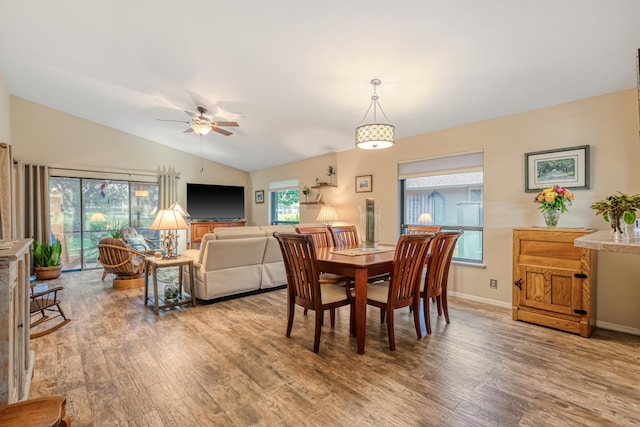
[295,74]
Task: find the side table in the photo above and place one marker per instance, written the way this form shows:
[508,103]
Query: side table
[153,264]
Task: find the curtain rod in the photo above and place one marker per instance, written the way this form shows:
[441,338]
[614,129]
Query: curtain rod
[128,173]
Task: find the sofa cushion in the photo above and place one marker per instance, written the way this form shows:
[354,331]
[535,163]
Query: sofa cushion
[270,229]
[239,233]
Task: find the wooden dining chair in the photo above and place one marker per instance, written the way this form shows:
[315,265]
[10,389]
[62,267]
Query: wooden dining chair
[303,286]
[322,239]
[434,285]
[344,235]
[403,290]
[419,229]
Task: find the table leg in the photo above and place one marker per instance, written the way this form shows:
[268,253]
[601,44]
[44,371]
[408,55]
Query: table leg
[146,284]
[361,307]
[155,291]
[180,268]
[192,283]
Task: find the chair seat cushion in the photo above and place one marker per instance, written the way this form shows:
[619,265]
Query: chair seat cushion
[332,293]
[330,277]
[138,243]
[378,291]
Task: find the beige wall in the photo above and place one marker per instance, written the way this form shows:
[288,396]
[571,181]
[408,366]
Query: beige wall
[609,124]
[62,140]
[5,115]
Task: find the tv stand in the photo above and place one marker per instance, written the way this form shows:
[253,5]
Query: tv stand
[198,229]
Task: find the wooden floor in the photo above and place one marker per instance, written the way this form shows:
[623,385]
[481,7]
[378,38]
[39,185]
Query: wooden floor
[229,364]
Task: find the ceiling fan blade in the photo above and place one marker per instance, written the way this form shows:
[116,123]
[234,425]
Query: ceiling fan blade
[226,124]
[190,114]
[222,131]
[177,121]
[188,130]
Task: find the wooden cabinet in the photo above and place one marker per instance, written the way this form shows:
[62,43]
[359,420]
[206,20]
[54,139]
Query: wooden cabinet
[554,282]
[16,358]
[198,229]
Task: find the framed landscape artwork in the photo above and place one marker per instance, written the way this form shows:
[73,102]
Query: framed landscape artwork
[260,196]
[566,167]
[364,184]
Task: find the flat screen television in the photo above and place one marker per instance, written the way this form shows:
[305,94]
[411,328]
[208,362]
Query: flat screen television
[215,202]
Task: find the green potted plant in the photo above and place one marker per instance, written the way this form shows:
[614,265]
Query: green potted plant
[619,210]
[47,259]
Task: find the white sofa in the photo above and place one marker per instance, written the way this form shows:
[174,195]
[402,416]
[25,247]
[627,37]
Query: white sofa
[234,260]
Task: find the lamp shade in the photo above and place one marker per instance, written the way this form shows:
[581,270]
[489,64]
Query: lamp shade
[425,218]
[168,219]
[97,217]
[327,214]
[375,136]
[176,207]
[200,128]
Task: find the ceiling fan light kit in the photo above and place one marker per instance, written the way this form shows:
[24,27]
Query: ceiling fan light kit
[375,136]
[202,124]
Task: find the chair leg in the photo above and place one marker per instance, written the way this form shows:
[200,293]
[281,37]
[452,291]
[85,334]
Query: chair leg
[445,305]
[306,310]
[332,316]
[352,319]
[316,337]
[104,274]
[291,306]
[382,315]
[416,319]
[438,304]
[427,316]
[390,331]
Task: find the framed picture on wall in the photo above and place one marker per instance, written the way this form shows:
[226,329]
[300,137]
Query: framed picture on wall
[364,183]
[260,196]
[566,167]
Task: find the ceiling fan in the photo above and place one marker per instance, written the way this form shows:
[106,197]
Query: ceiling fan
[202,124]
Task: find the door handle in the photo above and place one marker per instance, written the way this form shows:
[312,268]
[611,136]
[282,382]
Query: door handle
[518,283]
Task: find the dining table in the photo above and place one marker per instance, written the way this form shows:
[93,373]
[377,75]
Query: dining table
[361,264]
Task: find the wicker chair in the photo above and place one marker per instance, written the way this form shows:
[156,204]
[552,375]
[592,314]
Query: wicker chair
[128,265]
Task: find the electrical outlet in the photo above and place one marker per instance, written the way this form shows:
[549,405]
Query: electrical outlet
[493,283]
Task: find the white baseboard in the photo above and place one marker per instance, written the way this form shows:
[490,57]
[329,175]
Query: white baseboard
[617,328]
[480,299]
[599,324]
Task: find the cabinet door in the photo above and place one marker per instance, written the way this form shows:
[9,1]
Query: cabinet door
[198,230]
[551,289]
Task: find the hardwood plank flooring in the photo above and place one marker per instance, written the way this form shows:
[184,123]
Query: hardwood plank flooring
[229,364]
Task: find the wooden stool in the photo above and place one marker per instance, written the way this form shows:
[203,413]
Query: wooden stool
[45,411]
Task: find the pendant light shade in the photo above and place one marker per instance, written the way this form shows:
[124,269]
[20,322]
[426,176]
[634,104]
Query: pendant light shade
[374,136]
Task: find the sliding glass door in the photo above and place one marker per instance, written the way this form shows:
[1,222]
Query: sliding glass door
[85,211]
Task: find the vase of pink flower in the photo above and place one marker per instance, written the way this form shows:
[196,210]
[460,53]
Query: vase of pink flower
[553,201]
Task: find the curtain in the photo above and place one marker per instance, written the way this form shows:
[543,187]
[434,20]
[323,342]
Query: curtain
[34,180]
[7,224]
[167,188]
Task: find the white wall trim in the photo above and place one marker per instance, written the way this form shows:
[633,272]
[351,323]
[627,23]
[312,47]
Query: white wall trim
[599,324]
[481,299]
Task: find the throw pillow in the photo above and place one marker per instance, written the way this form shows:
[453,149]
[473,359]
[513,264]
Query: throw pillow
[138,243]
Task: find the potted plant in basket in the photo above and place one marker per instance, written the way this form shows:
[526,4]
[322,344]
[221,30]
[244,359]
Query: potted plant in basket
[619,210]
[47,257]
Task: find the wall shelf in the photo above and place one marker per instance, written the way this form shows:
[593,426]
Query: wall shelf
[324,185]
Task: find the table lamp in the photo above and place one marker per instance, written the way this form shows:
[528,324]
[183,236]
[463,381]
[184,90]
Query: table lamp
[425,218]
[327,215]
[169,220]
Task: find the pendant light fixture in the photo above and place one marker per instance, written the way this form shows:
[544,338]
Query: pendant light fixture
[374,136]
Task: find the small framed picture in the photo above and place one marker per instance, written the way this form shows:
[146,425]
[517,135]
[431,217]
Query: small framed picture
[567,167]
[260,196]
[364,184]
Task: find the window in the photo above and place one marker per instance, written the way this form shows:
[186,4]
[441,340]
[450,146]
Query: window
[284,202]
[448,192]
[86,210]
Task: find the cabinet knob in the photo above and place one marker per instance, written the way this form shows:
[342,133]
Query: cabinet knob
[518,283]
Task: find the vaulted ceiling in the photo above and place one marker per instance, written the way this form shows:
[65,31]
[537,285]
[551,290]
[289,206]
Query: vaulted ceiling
[295,75]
